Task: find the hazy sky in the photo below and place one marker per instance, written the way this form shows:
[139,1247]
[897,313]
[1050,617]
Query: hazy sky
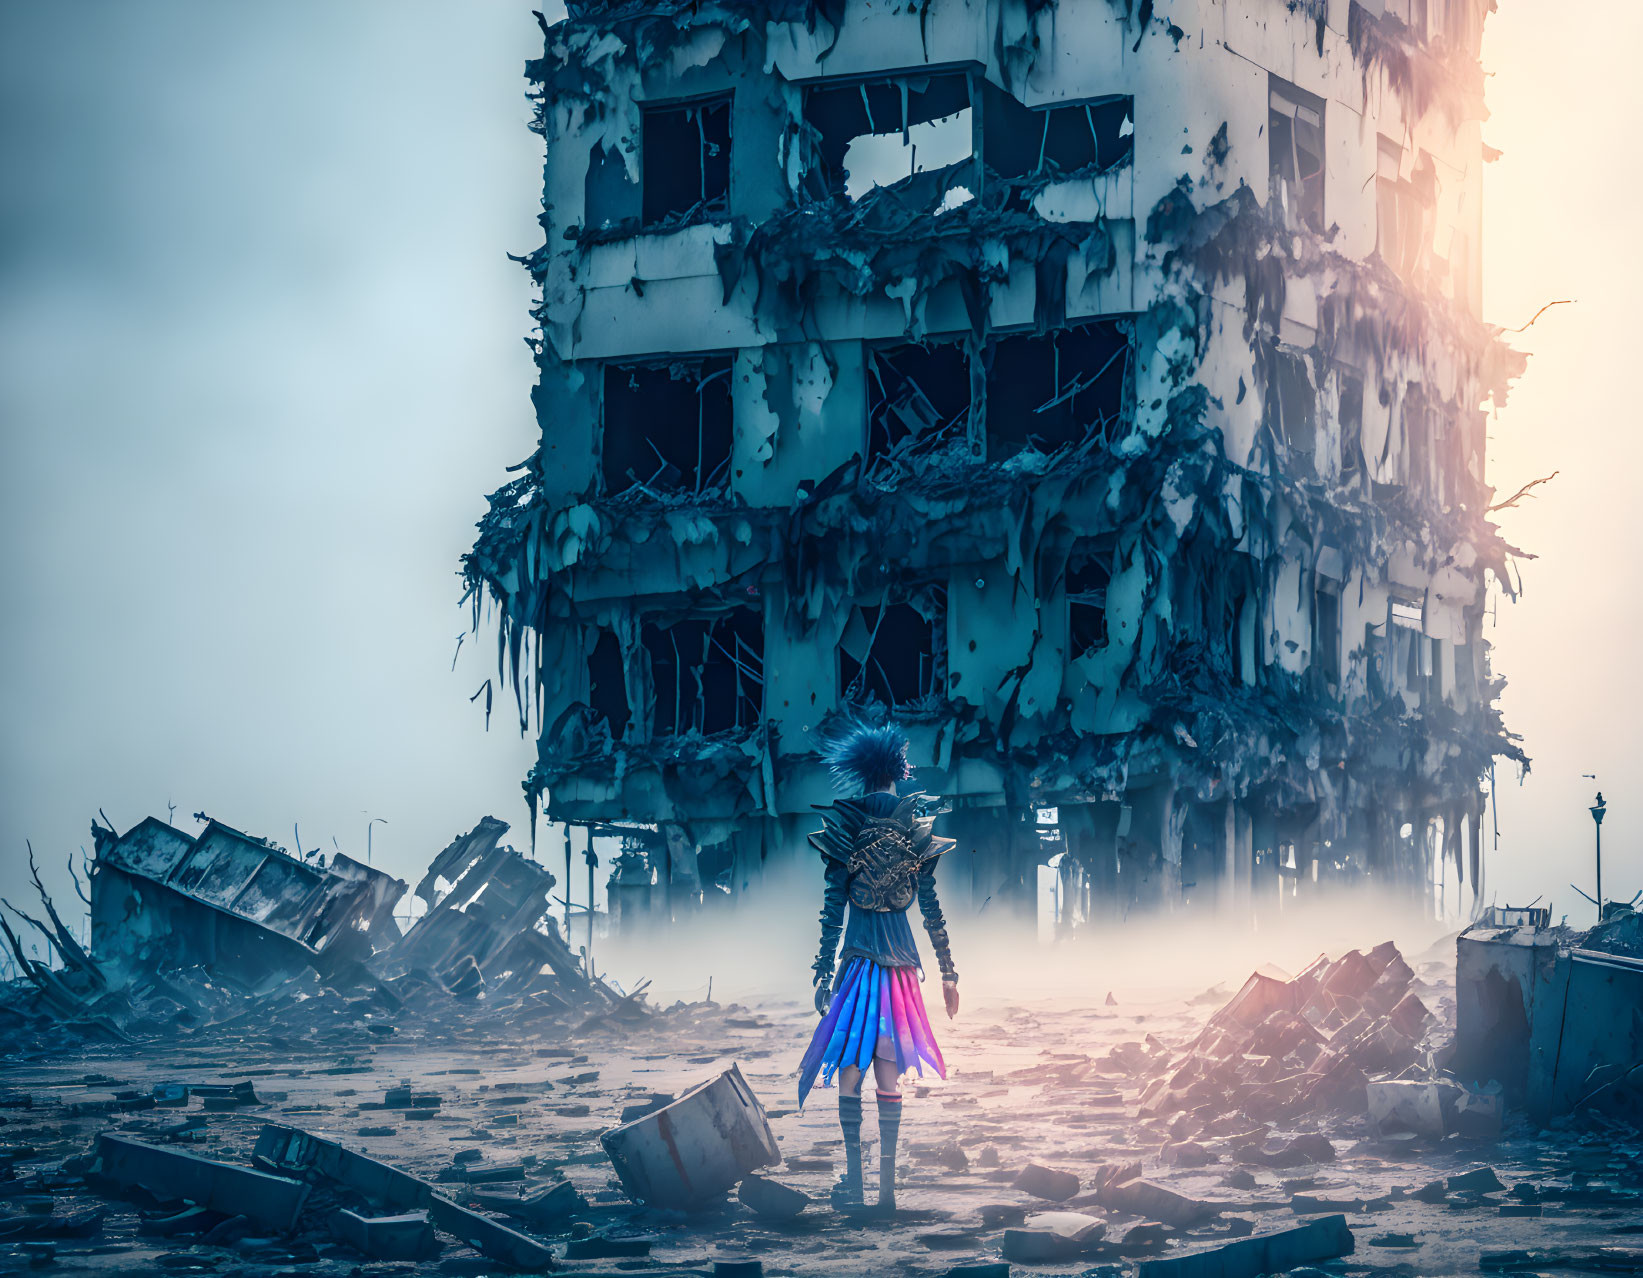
[261,358]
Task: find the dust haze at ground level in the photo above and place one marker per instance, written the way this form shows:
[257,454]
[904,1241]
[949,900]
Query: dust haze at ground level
[263,360]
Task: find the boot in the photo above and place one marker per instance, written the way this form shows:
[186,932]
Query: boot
[848,1192]
[889,1130]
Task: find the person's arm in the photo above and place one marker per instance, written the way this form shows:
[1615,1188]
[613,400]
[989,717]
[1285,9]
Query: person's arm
[936,924]
[832,924]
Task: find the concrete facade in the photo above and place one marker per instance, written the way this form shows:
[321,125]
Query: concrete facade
[1101,393]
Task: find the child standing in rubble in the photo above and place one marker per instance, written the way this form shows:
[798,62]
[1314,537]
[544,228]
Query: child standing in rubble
[879,856]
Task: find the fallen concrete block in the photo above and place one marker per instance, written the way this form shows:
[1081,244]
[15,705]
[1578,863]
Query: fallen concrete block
[598,1247]
[1349,976]
[1258,999]
[272,1201]
[1304,1149]
[1406,1106]
[771,1199]
[1480,1180]
[689,1152]
[1145,1239]
[1046,1182]
[1605,1260]
[409,1236]
[1039,1246]
[546,1208]
[1155,1202]
[1323,1239]
[1479,1115]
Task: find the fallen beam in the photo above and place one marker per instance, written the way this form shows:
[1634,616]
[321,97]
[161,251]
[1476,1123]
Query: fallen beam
[272,1201]
[1322,1239]
[291,1148]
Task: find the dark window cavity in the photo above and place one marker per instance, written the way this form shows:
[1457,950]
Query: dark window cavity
[1292,405]
[667,426]
[1417,436]
[607,683]
[610,199]
[1349,416]
[1089,574]
[868,134]
[686,161]
[1326,640]
[917,391]
[707,673]
[895,653]
[1295,139]
[1057,388]
[1028,142]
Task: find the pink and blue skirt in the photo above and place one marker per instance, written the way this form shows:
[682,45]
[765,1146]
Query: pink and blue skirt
[875,1011]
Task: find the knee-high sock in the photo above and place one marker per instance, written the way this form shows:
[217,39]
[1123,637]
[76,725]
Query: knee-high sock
[850,1125]
[889,1131]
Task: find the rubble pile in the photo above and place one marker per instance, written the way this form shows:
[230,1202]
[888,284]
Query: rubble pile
[227,934]
[1281,1049]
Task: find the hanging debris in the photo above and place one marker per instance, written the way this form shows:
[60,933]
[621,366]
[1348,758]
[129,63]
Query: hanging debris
[1129,452]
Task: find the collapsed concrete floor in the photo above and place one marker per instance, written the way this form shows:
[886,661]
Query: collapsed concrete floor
[481,1109]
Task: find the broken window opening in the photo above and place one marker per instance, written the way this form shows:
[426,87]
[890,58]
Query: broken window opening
[1020,142]
[1089,574]
[874,133]
[607,683]
[1058,388]
[1412,14]
[1349,417]
[920,390]
[1292,405]
[686,161]
[1243,667]
[895,653]
[707,674]
[1417,437]
[609,199]
[1295,143]
[1326,642]
[667,427]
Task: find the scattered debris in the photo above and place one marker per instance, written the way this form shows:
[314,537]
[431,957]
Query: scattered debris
[211,933]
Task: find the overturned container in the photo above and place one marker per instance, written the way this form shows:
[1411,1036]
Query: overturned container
[689,1152]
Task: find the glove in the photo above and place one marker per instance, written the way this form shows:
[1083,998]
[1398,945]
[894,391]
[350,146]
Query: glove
[824,997]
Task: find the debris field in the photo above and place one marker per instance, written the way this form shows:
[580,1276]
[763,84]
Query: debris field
[1210,1135]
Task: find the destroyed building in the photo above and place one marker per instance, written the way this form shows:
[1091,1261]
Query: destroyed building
[1099,388]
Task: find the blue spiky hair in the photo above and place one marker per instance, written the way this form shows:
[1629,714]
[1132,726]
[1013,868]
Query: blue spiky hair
[868,756]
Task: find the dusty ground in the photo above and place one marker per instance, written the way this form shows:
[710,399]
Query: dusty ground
[1031,1082]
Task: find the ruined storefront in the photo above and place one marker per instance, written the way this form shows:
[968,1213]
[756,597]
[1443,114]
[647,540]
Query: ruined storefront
[1097,388]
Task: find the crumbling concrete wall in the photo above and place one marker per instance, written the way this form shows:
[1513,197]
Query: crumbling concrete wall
[1132,453]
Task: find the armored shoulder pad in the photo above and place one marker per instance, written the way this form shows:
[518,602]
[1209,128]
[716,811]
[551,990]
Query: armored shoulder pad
[837,837]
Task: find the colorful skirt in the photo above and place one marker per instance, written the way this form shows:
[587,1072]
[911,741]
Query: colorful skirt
[875,1011]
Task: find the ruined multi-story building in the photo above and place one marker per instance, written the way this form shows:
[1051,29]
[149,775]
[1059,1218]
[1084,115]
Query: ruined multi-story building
[1099,387]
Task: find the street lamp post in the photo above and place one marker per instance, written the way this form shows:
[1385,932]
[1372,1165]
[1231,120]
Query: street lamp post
[368,826]
[1597,810]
